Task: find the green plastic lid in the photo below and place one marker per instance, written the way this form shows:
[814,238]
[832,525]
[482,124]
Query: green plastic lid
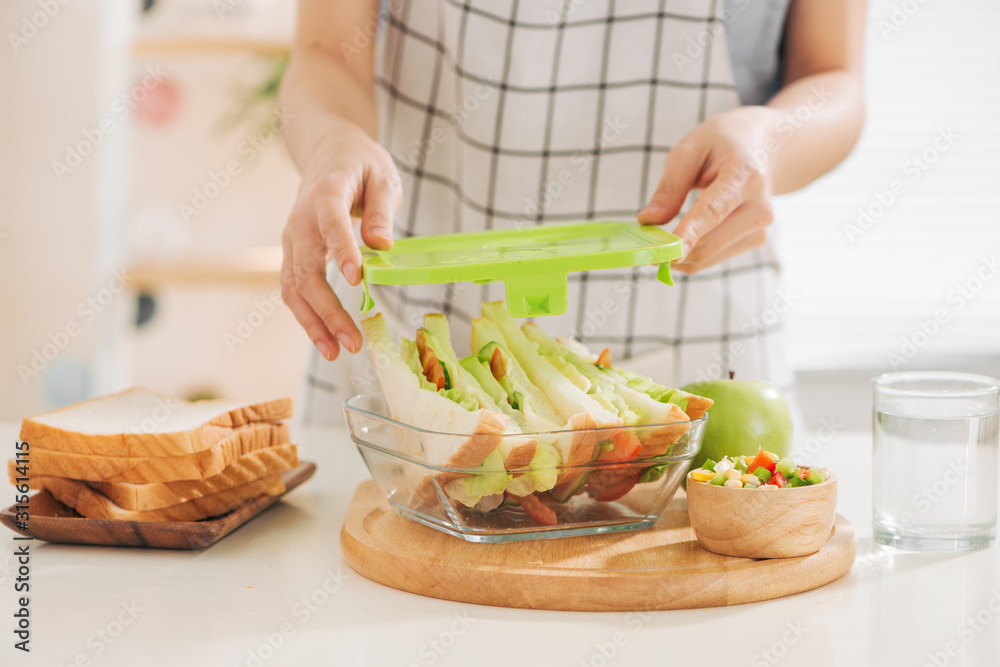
[533,262]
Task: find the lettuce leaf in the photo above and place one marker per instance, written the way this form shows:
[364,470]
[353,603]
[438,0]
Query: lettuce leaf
[543,473]
[490,479]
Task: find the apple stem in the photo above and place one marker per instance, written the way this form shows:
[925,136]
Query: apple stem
[731,374]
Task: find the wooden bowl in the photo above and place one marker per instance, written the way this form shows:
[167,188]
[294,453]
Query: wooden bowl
[750,523]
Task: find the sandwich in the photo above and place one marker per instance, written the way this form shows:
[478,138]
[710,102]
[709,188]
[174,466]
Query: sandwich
[524,419]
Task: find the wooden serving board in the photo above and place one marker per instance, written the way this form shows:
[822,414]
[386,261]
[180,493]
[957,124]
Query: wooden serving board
[52,521]
[658,568]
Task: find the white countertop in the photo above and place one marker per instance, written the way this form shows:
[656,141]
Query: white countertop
[221,606]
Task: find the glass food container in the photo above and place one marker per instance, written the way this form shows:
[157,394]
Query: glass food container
[585,499]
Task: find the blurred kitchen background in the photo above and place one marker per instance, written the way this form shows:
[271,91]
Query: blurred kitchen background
[137,140]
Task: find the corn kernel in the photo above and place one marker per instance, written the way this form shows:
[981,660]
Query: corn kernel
[701,475]
[732,473]
[771,455]
[750,479]
[734,483]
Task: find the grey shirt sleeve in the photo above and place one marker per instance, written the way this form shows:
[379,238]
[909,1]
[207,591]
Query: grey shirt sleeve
[754,31]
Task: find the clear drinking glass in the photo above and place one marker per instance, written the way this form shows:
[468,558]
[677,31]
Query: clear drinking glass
[935,460]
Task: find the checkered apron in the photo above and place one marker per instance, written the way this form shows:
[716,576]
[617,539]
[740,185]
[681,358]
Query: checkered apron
[502,114]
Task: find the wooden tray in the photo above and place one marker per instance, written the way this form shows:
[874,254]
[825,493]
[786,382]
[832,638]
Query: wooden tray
[658,568]
[52,521]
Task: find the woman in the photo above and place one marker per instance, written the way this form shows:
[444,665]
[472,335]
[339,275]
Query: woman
[487,115]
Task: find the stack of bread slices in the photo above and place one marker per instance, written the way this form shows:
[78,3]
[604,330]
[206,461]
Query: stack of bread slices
[144,456]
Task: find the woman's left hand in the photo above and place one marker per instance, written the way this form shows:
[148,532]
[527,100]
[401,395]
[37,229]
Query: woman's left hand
[730,159]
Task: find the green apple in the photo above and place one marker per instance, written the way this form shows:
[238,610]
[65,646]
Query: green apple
[747,414]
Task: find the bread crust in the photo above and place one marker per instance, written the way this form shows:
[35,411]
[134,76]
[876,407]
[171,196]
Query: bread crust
[157,495]
[42,436]
[93,505]
[486,438]
[148,469]
[659,441]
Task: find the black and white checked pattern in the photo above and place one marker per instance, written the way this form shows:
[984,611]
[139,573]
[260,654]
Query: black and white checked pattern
[506,113]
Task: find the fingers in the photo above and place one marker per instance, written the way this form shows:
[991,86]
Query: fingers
[680,172]
[382,198]
[311,298]
[332,200]
[753,240]
[715,203]
[304,314]
[747,219]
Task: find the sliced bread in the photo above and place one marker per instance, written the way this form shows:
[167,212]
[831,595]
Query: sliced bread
[147,469]
[93,505]
[140,422]
[157,495]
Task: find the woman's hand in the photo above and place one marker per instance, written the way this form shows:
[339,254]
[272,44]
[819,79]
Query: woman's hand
[349,175]
[730,158]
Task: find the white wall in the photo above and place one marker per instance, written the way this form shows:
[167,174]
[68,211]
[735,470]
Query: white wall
[55,86]
[864,293]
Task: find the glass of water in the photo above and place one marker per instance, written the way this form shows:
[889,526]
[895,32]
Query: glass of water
[935,460]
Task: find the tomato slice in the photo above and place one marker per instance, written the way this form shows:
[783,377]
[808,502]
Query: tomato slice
[497,367]
[609,491]
[604,359]
[433,370]
[534,508]
[626,447]
[762,460]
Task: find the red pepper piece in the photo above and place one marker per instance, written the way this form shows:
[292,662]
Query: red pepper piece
[626,447]
[601,485]
[777,479]
[534,508]
[604,359]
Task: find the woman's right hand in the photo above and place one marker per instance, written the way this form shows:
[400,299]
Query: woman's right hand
[349,176]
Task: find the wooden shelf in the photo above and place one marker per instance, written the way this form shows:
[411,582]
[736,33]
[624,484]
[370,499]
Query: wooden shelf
[244,267]
[197,47]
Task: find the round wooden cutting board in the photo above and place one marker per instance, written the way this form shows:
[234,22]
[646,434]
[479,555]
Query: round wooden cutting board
[658,568]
